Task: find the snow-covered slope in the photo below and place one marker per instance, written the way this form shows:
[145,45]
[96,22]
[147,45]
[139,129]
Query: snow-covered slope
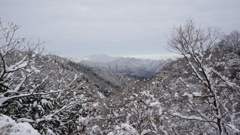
[140,68]
[9,126]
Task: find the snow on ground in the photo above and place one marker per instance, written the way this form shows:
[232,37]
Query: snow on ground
[10,127]
[124,129]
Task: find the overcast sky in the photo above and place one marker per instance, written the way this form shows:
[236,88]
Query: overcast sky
[77,28]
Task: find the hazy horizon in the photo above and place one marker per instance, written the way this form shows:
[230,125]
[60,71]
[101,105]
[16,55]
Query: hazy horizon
[164,56]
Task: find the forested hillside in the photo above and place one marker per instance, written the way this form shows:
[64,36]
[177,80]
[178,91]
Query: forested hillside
[196,94]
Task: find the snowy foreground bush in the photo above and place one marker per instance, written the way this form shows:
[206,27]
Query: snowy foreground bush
[9,126]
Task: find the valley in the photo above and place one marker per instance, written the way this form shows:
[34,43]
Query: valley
[133,67]
[197,93]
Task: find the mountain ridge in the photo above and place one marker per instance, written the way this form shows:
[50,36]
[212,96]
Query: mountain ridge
[135,67]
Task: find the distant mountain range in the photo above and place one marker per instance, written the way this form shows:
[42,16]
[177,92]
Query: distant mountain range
[140,68]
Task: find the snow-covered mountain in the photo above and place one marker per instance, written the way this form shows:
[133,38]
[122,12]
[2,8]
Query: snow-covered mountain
[140,68]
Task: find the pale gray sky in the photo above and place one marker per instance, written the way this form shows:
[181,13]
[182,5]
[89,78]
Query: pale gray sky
[77,28]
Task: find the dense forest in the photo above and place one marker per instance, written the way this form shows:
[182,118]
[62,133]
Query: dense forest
[50,95]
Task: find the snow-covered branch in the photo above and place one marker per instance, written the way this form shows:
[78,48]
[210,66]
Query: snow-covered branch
[190,117]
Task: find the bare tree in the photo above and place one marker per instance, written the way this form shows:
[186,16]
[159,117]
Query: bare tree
[17,58]
[35,88]
[196,44]
[232,41]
